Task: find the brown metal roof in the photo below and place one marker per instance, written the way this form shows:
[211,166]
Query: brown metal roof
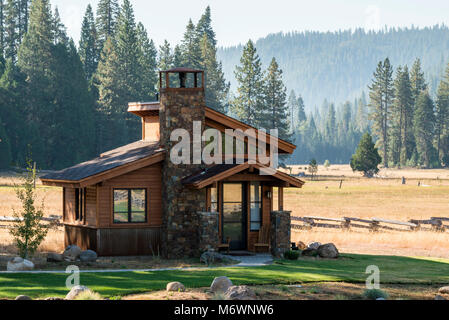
[107,161]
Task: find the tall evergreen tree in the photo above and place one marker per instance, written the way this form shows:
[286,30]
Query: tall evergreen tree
[275,111]
[23,17]
[148,65]
[5,148]
[442,118]
[301,114]
[59,29]
[2,27]
[248,104]
[418,82]
[204,26]
[11,35]
[88,45]
[424,123]
[217,87]
[190,48]
[292,104]
[107,13]
[381,97]
[165,57]
[331,125]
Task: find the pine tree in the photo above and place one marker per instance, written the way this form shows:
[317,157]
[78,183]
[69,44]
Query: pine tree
[248,104]
[293,110]
[59,29]
[23,16]
[442,117]
[11,36]
[301,114]
[165,61]
[190,48]
[5,147]
[217,88]
[381,96]
[417,80]
[204,26]
[148,65]
[107,13]
[331,126]
[275,111]
[366,158]
[2,28]
[424,124]
[88,46]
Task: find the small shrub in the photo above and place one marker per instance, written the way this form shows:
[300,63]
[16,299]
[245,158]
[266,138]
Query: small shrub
[373,294]
[89,295]
[292,254]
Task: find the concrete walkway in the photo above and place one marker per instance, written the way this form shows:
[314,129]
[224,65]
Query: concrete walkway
[256,260]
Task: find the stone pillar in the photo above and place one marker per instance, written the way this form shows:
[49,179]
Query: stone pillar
[179,108]
[280,239]
[208,231]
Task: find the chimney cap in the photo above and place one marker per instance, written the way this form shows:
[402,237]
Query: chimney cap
[182,69]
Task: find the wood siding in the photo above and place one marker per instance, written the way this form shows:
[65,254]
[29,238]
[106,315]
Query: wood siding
[90,209]
[150,128]
[83,237]
[148,178]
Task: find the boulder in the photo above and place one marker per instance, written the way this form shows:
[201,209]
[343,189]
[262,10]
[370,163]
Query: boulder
[19,264]
[55,257]
[54,299]
[209,257]
[88,256]
[75,291]
[176,286]
[438,297]
[314,245]
[240,293]
[220,284]
[301,245]
[22,297]
[328,250]
[310,252]
[444,290]
[72,252]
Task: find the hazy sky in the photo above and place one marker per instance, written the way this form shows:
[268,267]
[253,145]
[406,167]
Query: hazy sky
[236,21]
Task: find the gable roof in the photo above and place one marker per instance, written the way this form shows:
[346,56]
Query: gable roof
[109,164]
[222,171]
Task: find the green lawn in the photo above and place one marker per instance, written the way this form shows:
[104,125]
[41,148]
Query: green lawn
[349,268]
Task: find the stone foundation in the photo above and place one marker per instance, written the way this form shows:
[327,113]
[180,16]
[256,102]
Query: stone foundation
[280,238]
[208,237]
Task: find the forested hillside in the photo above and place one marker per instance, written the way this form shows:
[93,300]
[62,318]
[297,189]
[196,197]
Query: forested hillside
[338,65]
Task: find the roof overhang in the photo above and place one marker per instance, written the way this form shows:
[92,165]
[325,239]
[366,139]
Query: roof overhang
[288,181]
[108,174]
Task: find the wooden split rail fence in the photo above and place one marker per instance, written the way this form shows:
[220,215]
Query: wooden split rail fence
[374,224]
[53,221]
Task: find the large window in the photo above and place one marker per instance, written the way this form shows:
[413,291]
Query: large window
[130,205]
[256,206]
[80,206]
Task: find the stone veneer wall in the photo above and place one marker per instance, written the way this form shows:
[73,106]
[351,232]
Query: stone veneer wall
[208,231]
[179,108]
[280,238]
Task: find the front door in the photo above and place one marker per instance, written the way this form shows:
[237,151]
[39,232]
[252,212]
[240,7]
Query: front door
[234,215]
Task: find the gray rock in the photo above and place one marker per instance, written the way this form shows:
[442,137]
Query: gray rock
[438,297]
[22,297]
[210,257]
[88,256]
[72,252]
[328,250]
[75,291]
[380,299]
[240,293]
[314,245]
[310,252]
[19,264]
[176,286]
[55,257]
[444,290]
[220,284]
[54,299]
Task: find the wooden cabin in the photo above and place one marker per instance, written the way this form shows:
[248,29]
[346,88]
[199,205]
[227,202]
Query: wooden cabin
[134,200]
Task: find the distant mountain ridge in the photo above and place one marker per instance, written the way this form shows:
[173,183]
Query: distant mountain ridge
[338,66]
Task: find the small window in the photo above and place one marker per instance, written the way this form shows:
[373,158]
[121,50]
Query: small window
[130,205]
[256,206]
[80,196]
[213,199]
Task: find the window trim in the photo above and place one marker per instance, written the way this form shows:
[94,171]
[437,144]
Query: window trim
[130,222]
[80,204]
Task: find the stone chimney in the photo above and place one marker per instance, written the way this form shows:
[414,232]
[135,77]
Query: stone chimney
[182,102]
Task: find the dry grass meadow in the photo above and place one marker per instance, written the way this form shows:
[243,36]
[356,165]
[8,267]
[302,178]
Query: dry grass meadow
[383,197]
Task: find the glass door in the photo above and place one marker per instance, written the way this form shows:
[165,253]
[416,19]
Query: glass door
[234,215]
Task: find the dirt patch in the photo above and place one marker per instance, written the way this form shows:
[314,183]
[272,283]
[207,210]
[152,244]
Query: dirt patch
[309,291]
